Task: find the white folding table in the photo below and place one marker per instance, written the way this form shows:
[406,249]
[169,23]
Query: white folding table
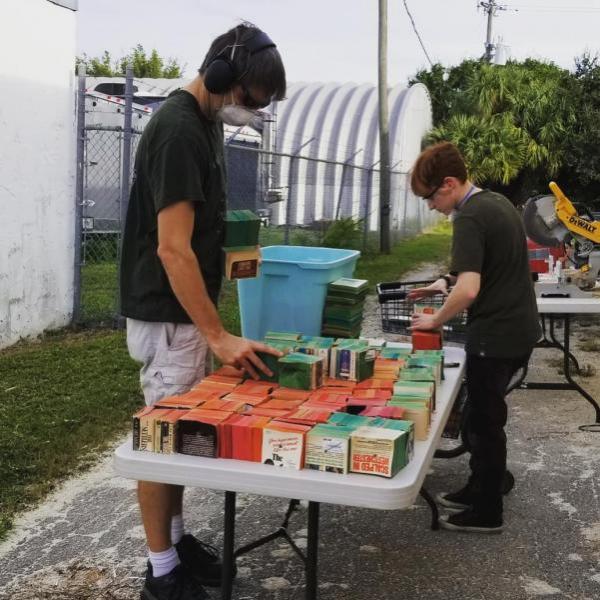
[234,476]
[562,309]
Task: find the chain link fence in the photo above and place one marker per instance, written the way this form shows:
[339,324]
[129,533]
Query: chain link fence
[301,200]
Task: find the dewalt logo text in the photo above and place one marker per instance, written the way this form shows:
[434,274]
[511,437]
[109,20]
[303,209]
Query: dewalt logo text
[583,224]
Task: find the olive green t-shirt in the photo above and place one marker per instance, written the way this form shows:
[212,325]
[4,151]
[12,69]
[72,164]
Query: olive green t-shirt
[179,158]
[489,239]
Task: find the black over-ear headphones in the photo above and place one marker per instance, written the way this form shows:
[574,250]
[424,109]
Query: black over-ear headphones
[221,73]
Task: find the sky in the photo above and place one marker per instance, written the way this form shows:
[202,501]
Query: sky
[336,40]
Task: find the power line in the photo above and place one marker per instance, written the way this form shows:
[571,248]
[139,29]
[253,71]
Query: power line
[416,32]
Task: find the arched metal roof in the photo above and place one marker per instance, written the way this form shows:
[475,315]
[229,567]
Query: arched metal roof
[338,123]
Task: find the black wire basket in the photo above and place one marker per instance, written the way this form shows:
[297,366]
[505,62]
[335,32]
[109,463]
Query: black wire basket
[397,310]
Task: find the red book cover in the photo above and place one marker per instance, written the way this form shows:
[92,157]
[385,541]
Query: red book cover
[426,340]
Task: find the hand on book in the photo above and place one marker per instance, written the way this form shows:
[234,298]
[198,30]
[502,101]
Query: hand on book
[423,321]
[439,286]
[240,353]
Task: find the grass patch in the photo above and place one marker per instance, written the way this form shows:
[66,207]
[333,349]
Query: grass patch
[99,292]
[62,400]
[433,246]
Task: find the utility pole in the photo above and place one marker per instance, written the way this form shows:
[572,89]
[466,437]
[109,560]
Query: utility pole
[491,8]
[384,135]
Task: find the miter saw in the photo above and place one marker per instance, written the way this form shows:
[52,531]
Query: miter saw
[553,221]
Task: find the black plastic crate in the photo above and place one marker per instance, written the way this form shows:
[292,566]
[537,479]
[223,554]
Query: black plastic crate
[397,310]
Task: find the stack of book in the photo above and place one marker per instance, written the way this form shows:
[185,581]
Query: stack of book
[356,419]
[241,251]
[344,303]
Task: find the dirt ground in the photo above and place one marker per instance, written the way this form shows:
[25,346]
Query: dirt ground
[86,542]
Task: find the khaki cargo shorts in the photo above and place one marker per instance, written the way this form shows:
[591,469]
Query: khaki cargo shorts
[174,357]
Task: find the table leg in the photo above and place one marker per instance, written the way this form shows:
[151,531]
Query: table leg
[312,548]
[567,369]
[228,542]
[435,515]
[561,346]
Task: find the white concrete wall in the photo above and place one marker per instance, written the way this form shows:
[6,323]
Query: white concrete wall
[37,167]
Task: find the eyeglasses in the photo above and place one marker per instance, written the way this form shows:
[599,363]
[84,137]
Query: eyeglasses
[250,102]
[432,194]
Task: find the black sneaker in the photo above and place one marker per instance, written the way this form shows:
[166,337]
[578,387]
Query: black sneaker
[201,561]
[460,500]
[469,520]
[176,585]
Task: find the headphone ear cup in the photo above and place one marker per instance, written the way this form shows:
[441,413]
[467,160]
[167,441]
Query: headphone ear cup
[219,75]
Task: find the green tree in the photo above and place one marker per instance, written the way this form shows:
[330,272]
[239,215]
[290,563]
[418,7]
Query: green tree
[581,173]
[144,65]
[510,122]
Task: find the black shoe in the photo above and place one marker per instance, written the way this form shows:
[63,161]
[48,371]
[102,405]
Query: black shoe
[469,520]
[460,500]
[176,585]
[200,560]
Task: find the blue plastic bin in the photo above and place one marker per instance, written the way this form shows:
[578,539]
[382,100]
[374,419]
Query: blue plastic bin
[289,294]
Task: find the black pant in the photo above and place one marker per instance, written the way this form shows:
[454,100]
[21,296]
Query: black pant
[487,380]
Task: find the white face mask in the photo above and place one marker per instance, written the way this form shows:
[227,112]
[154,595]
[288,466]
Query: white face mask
[240,116]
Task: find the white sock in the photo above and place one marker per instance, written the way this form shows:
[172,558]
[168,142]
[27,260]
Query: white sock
[177,529]
[163,562]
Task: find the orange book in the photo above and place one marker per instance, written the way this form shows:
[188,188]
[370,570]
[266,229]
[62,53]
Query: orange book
[373,393]
[381,384]
[225,449]
[279,404]
[207,390]
[224,379]
[323,405]
[252,399]
[178,402]
[339,383]
[167,442]
[387,412]
[261,411]
[290,394]
[329,396]
[246,436]
[228,371]
[250,386]
[234,406]
[308,416]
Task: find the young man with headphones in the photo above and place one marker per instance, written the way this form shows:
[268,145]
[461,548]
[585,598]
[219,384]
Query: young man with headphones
[171,270]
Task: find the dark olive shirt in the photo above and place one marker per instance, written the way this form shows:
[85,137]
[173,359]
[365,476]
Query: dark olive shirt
[179,158]
[489,239]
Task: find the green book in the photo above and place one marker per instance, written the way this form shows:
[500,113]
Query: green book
[301,371]
[282,336]
[349,285]
[394,353]
[241,228]
[348,420]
